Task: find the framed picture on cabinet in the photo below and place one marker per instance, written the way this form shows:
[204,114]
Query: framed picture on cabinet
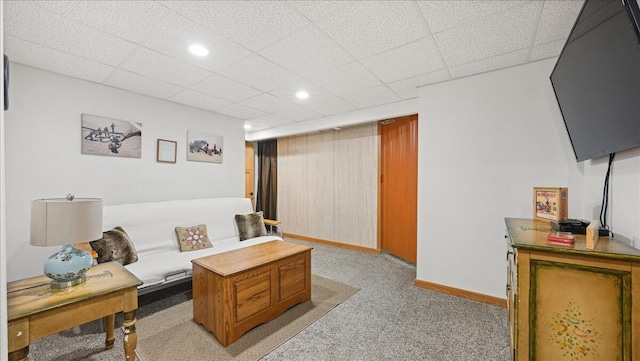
[550,204]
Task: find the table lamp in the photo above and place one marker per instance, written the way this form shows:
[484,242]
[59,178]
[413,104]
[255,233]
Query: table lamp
[63,222]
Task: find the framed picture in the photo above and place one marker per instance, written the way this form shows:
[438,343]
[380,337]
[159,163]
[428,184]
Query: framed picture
[550,204]
[111,137]
[202,147]
[166,151]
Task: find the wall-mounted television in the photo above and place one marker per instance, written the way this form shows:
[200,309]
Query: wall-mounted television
[597,79]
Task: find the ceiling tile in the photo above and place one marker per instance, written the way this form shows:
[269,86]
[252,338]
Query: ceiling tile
[271,120]
[346,79]
[198,100]
[141,84]
[307,52]
[240,111]
[547,50]
[338,51]
[60,33]
[498,34]
[316,10]
[298,113]
[225,88]
[255,126]
[178,33]
[442,15]
[408,88]
[266,103]
[260,73]
[253,24]
[406,61]
[328,104]
[289,91]
[159,66]
[371,97]
[130,20]
[481,66]
[370,27]
[23,52]
[556,20]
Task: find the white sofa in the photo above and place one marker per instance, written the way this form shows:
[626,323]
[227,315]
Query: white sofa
[151,228]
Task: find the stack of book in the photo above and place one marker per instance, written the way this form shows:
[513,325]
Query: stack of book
[562,238]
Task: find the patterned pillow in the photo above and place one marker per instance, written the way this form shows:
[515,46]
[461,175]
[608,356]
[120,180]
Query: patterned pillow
[193,238]
[251,225]
[115,245]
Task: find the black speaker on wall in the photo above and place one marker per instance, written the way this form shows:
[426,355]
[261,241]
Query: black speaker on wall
[5,78]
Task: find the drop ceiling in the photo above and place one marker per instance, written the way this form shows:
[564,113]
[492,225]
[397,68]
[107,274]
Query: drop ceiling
[347,55]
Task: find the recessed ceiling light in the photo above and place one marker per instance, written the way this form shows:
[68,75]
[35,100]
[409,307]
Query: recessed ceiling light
[247,126]
[302,94]
[198,50]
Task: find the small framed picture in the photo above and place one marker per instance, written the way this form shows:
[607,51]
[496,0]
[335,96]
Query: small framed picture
[550,204]
[166,151]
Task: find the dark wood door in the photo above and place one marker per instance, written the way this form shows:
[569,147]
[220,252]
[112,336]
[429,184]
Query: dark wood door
[399,186]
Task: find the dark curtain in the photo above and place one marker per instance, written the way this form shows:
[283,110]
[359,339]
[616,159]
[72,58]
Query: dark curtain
[267,197]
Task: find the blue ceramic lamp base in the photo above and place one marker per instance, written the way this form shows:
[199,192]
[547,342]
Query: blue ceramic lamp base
[68,267]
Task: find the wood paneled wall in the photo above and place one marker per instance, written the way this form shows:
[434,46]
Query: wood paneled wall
[328,185]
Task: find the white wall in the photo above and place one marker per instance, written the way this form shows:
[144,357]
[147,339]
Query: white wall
[623,215]
[43,157]
[484,142]
[360,116]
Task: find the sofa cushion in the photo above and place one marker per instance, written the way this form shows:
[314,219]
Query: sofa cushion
[250,225]
[192,238]
[155,268]
[115,245]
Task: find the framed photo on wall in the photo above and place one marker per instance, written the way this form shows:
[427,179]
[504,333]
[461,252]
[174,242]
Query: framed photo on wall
[202,147]
[166,151]
[111,137]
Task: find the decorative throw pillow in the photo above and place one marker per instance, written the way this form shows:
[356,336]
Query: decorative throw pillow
[251,225]
[193,238]
[115,245]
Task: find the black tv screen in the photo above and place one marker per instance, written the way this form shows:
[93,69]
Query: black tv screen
[597,79]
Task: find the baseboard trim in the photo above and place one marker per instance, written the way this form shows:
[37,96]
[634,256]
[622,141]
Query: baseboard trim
[491,300]
[333,243]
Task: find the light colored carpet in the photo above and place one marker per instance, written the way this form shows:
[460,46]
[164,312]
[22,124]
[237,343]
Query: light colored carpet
[171,334]
[389,319]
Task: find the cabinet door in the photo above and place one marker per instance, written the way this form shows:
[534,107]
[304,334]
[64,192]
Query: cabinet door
[579,312]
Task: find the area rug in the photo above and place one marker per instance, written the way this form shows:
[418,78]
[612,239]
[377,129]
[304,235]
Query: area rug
[171,334]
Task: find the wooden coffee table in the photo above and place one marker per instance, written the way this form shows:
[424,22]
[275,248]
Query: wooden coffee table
[237,290]
[34,310]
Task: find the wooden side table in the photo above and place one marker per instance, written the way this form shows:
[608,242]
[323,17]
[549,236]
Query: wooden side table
[34,310]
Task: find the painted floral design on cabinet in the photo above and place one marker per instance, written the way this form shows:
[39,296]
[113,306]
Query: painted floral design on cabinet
[575,334]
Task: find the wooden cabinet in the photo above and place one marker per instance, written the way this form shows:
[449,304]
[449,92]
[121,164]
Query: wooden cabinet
[237,290]
[570,303]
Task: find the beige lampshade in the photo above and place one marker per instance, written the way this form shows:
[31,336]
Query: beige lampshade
[58,221]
